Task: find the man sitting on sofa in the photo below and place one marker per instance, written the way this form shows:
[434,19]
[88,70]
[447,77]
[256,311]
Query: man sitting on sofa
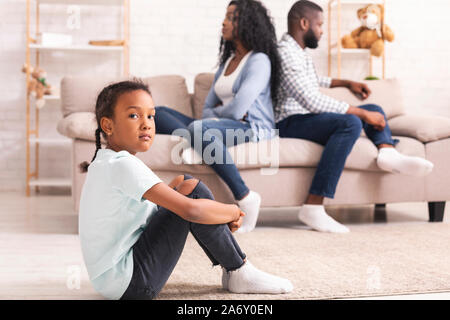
[303,112]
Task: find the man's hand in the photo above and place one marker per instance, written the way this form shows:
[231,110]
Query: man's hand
[234,225]
[375,119]
[359,89]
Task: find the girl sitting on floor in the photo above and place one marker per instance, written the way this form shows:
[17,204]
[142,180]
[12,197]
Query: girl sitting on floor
[133,227]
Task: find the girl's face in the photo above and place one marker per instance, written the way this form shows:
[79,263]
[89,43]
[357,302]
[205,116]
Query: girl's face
[133,125]
[227,25]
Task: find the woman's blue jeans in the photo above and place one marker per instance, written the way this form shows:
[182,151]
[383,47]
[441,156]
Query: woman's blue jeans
[215,137]
[337,133]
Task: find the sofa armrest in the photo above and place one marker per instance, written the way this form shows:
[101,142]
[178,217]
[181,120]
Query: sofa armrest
[425,128]
[78,125]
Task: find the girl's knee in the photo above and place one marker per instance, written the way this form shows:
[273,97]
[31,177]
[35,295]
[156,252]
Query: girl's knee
[202,191]
[195,188]
[186,187]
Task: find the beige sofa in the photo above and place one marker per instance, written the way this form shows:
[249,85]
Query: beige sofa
[284,179]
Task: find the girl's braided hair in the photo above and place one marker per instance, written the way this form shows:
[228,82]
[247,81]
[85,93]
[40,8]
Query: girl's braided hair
[254,28]
[104,107]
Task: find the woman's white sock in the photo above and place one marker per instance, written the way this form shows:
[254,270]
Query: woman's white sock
[190,156]
[391,160]
[315,217]
[250,206]
[248,279]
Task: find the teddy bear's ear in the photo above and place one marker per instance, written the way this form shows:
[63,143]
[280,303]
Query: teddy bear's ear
[381,11]
[360,12]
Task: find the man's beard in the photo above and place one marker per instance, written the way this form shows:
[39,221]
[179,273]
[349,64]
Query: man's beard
[310,39]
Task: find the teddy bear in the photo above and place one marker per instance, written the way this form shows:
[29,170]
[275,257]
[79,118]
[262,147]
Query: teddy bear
[372,33]
[37,85]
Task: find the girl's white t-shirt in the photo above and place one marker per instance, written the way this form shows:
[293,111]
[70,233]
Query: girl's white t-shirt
[224,84]
[112,216]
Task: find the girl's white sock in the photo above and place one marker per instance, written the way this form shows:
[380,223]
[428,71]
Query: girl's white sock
[391,160]
[250,206]
[225,277]
[248,279]
[316,217]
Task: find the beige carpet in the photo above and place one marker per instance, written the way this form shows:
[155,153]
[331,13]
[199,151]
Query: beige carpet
[374,259]
[379,259]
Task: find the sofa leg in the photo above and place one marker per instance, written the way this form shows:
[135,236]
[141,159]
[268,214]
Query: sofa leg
[380,213]
[436,211]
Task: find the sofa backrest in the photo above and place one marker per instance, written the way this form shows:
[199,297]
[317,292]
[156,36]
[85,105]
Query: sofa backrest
[202,85]
[79,94]
[385,93]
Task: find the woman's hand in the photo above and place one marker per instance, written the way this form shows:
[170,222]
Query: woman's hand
[235,225]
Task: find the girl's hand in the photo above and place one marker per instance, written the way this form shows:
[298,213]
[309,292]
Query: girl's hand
[234,225]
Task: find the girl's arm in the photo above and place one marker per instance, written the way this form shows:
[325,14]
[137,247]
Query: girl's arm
[202,211]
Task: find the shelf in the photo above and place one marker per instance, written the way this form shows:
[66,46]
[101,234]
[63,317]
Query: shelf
[48,97]
[50,182]
[333,3]
[76,48]
[52,97]
[51,141]
[83,2]
[334,50]
[82,46]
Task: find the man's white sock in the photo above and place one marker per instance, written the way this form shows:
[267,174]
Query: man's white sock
[391,160]
[315,217]
[250,206]
[248,279]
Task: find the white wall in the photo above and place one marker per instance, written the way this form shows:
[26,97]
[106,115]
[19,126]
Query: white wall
[182,37]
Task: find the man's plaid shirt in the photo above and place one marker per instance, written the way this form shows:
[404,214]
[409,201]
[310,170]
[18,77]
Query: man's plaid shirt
[299,92]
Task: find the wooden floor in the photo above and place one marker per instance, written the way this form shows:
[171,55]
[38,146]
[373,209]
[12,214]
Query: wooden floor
[40,256]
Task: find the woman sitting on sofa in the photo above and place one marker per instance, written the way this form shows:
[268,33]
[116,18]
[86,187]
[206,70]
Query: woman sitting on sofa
[238,107]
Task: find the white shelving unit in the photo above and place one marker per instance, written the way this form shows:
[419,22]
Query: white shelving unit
[32,135]
[76,48]
[335,47]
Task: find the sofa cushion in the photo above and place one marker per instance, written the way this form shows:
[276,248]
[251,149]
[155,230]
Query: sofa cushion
[170,91]
[385,93]
[202,85]
[426,128]
[78,125]
[165,154]
[79,94]
[304,153]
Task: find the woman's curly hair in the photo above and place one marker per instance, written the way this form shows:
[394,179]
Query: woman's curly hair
[255,29]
